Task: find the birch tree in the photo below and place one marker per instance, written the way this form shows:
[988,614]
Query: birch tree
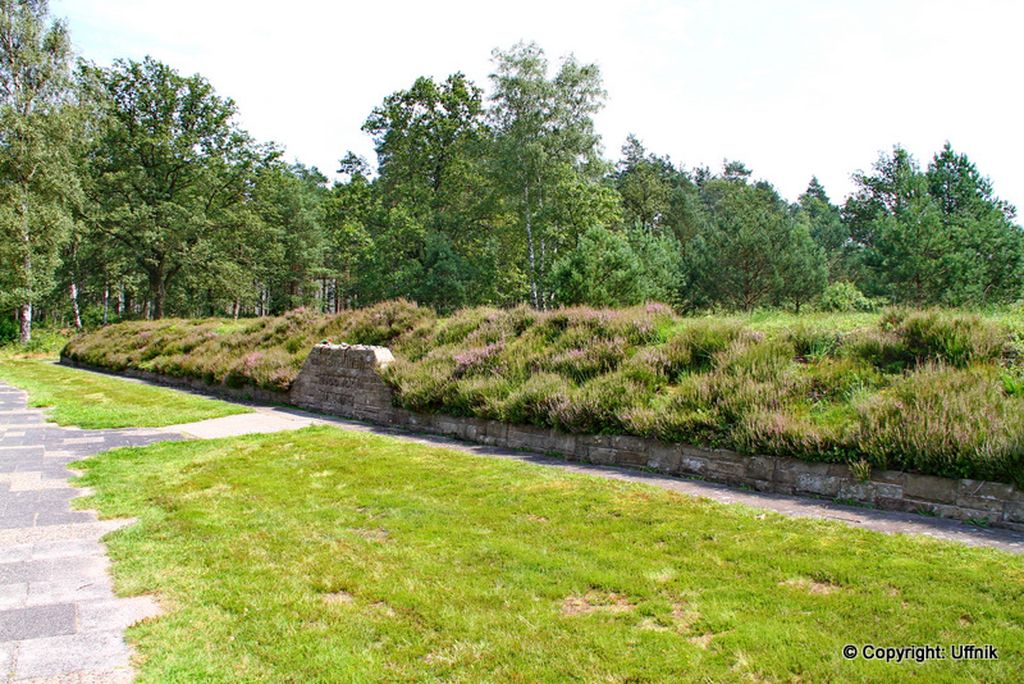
[37,170]
[543,134]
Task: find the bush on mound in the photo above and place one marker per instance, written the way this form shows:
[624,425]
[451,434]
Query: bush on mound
[930,391]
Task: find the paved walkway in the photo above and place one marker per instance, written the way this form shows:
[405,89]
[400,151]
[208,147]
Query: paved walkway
[59,618]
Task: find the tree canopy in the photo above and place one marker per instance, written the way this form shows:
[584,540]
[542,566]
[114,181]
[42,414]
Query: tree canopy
[133,191]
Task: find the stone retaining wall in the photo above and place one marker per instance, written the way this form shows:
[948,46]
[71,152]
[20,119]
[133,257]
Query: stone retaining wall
[344,380]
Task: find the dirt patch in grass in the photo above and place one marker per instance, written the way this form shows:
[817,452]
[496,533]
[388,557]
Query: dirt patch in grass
[596,602]
[812,586]
[339,597]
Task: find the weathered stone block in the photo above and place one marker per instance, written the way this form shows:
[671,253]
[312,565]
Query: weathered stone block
[529,437]
[693,461]
[630,458]
[760,467]
[664,458]
[986,496]
[726,465]
[819,485]
[857,491]
[1013,511]
[628,443]
[601,455]
[930,488]
[790,470]
[890,477]
[562,443]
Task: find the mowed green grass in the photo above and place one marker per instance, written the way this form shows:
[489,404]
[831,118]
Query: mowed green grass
[332,556]
[91,400]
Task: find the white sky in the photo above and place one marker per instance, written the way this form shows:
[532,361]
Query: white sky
[790,87]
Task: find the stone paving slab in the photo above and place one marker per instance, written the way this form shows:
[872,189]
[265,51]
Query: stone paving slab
[59,618]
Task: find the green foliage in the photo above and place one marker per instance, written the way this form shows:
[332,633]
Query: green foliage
[844,296]
[935,237]
[611,269]
[945,421]
[751,252]
[39,181]
[799,386]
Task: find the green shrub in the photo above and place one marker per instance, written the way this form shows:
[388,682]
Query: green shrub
[946,421]
[695,345]
[9,331]
[843,296]
[956,339]
[796,386]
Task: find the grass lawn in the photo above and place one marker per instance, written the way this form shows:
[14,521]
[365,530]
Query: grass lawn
[325,555]
[91,400]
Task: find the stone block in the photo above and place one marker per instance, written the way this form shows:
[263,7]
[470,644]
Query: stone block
[760,467]
[819,485]
[889,477]
[930,488]
[692,462]
[601,455]
[727,466]
[791,470]
[529,437]
[629,443]
[986,496]
[864,492]
[664,458]
[630,458]
[1013,512]
[562,443]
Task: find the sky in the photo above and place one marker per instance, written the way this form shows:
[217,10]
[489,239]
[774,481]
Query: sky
[792,88]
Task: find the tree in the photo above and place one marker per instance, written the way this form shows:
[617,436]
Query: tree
[425,138]
[37,174]
[613,268]
[544,139]
[989,245]
[751,251]
[645,183]
[825,225]
[935,237]
[168,169]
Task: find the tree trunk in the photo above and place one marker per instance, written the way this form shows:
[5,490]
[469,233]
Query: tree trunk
[75,311]
[25,322]
[157,293]
[25,310]
[528,220]
[106,303]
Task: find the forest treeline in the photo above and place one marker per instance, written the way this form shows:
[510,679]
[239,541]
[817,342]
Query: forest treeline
[131,191]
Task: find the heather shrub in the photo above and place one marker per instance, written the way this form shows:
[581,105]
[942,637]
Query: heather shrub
[813,342]
[787,433]
[536,400]
[581,363]
[694,346]
[933,391]
[649,367]
[598,406]
[380,324]
[841,379]
[946,421]
[422,385]
[955,339]
[883,349]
